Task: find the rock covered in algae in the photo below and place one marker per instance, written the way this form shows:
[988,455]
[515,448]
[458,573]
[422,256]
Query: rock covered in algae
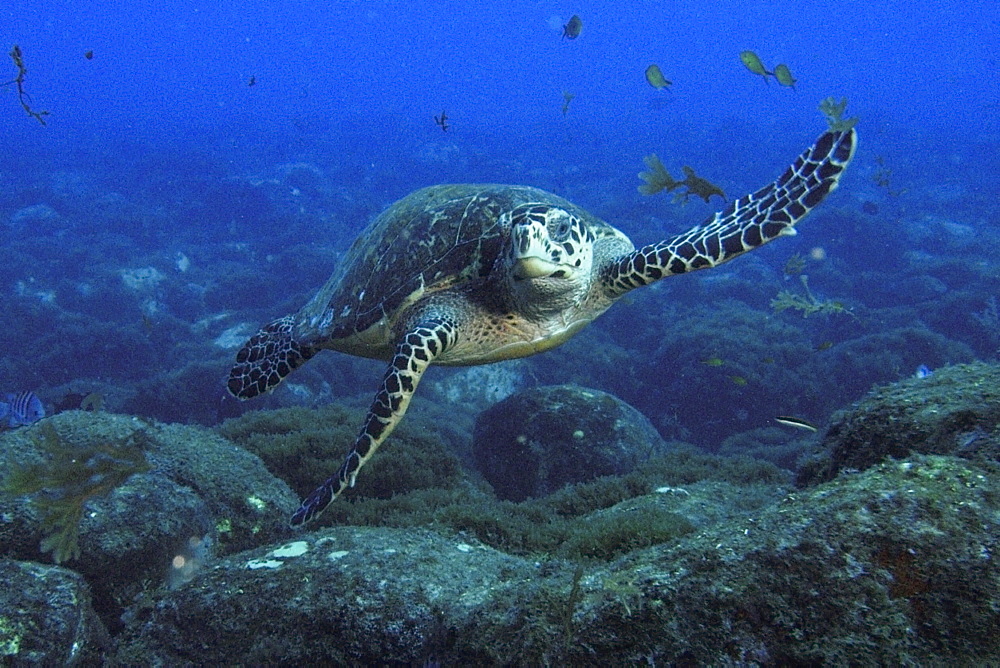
[955,410]
[46,617]
[539,440]
[886,567]
[174,491]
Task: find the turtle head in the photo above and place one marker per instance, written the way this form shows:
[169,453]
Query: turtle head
[550,256]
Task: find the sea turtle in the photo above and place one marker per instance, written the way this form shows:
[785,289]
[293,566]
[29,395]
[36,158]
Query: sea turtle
[473,274]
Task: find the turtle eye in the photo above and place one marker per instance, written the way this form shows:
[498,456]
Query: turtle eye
[560,228]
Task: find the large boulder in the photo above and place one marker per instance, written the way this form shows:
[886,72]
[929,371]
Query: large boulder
[539,440]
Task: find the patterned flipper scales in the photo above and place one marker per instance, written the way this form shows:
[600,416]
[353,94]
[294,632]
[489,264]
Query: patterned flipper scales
[749,222]
[414,354]
[265,360]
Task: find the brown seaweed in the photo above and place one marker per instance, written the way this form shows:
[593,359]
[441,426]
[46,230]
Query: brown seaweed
[658,178]
[22,94]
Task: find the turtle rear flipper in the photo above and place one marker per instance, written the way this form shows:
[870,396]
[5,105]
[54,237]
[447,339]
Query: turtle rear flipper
[265,360]
[749,222]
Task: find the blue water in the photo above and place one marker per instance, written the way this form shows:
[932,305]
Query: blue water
[158,152]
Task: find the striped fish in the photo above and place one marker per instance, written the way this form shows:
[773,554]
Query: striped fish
[21,409]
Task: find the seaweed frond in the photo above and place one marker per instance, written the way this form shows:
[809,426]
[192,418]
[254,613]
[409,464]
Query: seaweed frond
[834,112]
[658,178]
[807,303]
[698,186]
[71,476]
[795,265]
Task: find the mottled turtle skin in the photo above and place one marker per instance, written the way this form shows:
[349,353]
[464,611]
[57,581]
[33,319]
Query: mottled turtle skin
[473,274]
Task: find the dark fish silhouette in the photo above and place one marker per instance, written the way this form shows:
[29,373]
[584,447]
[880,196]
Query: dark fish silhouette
[442,121]
[573,28]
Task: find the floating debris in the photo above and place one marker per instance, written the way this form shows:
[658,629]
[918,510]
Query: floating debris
[883,178]
[89,54]
[658,179]
[834,112]
[795,265]
[656,79]
[807,303]
[22,95]
[252,81]
[567,97]
[442,121]
[573,28]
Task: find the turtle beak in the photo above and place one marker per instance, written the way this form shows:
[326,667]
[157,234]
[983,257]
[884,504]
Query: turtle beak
[536,267]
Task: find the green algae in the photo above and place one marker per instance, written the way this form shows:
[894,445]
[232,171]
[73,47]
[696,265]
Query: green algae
[806,302]
[955,411]
[305,446]
[72,475]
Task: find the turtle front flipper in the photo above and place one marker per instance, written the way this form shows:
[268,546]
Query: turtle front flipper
[265,360]
[749,222]
[421,344]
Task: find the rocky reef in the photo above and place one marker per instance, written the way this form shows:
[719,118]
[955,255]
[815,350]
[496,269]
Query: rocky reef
[886,557]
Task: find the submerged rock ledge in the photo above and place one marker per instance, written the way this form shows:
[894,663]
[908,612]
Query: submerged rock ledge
[892,564]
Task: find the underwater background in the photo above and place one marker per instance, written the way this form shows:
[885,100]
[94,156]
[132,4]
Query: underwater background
[175,174]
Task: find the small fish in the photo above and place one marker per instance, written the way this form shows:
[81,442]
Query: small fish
[89,55]
[567,98]
[573,28]
[798,423]
[442,121]
[784,76]
[713,361]
[21,409]
[824,345]
[753,63]
[655,77]
[739,381]
[923,371]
